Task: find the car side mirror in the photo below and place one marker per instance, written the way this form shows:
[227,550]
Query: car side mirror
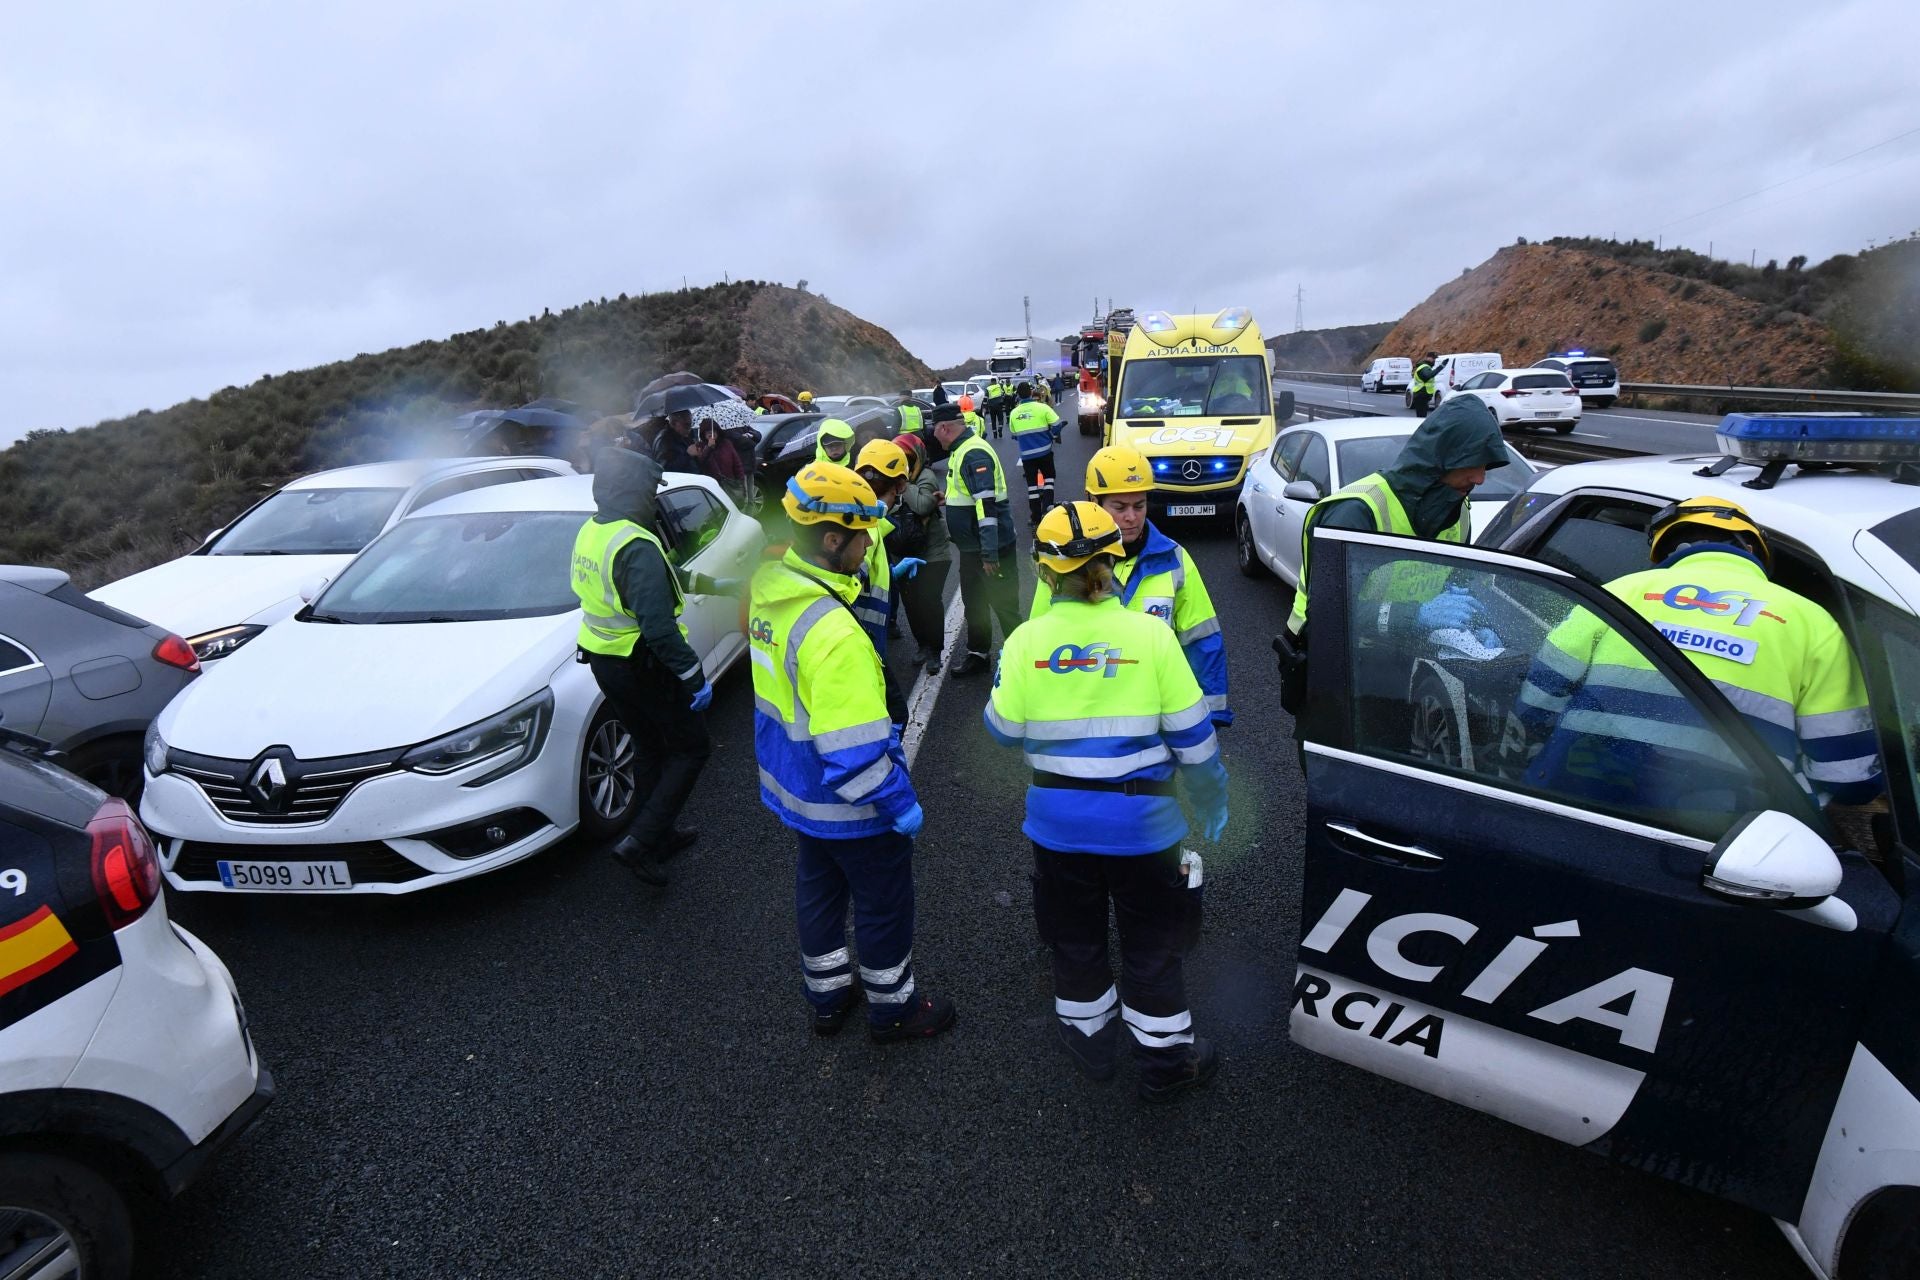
[1283,407]
[310,589]
[1772,859]
[1302,491]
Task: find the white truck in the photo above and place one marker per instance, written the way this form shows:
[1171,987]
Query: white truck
[1022,359]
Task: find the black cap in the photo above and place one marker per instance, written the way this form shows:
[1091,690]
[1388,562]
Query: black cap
[944,413]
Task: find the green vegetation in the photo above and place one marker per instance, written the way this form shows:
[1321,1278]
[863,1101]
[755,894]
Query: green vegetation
[103,501]
[1870,300]
[1652,329]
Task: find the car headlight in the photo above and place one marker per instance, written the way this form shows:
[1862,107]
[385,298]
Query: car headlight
[510,739]
[210,645]
[154,749]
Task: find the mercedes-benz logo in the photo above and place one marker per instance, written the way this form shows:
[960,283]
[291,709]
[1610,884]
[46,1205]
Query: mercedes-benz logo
[1190,469]
[268,782]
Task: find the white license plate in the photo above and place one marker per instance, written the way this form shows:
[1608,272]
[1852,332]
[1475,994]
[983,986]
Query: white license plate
[287,876]
[1191,509]
[1546,415]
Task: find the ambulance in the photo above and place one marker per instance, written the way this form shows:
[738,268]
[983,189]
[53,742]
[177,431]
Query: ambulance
[1196,397]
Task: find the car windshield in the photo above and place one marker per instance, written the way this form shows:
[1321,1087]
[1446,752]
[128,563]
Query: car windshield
[309,522]
[1540,381]
[459,568]
[1194,387]
[1368,454]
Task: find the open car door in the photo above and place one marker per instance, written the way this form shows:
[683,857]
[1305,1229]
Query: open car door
[1551,914]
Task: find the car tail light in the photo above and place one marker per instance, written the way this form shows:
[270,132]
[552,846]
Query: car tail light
[176,652]
[126,867]
[1511,392]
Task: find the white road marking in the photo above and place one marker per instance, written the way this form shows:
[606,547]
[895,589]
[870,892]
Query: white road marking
[926,690]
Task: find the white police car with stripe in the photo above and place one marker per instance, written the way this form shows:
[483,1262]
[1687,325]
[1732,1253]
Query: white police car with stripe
[1722,989]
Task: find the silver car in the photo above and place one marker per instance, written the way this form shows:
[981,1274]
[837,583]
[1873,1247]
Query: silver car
[83,675]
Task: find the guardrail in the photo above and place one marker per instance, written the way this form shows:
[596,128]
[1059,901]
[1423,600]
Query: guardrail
[1690,391]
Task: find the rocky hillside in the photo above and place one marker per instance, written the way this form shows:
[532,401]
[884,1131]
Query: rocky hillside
[106,500]
[1342,350]
[1528,300]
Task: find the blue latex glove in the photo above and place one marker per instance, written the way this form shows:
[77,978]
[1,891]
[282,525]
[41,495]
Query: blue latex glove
[1452,609]
[907,567]
[703,697]
[1488,637]
[909,823]
[1213,823]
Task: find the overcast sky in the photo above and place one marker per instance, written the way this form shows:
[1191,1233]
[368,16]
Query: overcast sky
[199,194]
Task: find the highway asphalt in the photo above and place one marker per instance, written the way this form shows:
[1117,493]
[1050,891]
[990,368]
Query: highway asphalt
[1643,430]
[554,1071]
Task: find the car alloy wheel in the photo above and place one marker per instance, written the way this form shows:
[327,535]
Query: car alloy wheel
[34,1245]
[1435,736]
[1249,555]
[609,780]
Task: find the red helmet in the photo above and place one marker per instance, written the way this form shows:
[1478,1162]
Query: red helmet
[916,451]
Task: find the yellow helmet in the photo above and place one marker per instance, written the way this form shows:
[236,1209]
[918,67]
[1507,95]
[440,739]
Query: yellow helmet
[1072,534]
[1721,515]
[1118,468]
[826,491]
[884,456]
[806,397]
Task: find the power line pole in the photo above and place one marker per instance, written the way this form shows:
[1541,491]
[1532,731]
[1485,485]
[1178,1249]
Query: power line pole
[1026,307]
[1299,308]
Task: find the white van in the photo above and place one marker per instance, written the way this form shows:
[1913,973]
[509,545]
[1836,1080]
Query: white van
[1453,369]
[1388,374]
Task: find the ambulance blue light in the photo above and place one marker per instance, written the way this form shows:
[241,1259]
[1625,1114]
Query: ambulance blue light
[1818,437]
[1156,322]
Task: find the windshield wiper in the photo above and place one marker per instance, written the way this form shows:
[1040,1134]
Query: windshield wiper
[311,616]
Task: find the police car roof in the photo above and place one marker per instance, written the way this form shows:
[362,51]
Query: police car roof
[557,493]
[1824,510]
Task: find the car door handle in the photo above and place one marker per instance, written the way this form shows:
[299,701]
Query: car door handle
[1375,847]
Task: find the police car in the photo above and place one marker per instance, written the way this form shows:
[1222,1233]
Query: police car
[1723,991]
[125,1062]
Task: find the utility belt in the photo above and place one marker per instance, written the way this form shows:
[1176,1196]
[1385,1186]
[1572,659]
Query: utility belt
[1128,787]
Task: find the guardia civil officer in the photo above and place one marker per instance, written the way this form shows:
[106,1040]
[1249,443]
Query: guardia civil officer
[982,532]
[633,640]
[1597,720]
[1154,574]
[831,767]
[1106,708]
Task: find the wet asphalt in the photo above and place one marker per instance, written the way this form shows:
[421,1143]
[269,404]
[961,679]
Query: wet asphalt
[554,1071]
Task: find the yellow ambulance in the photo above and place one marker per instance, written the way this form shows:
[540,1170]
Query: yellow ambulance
[1196,397]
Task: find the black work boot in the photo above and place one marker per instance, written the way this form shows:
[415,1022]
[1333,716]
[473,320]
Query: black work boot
[678,839]
[639,859]
[827,1022]
[1096,1055]
[930,659]
[1196,1069]
[971,665]
[923,1019]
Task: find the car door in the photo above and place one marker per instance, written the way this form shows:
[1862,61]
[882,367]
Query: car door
[1525,928]
[1315,467]
[1280,538]
[705,537]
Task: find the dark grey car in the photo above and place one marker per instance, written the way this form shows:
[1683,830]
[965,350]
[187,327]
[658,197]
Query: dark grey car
[83,675]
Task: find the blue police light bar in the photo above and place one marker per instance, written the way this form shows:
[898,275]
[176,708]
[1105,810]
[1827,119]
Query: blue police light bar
[1818,437]
[1576,351]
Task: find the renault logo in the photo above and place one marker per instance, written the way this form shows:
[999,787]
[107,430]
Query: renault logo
[1190,469]
[268,782]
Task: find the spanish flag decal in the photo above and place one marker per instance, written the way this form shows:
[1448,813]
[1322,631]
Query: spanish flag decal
[32,947]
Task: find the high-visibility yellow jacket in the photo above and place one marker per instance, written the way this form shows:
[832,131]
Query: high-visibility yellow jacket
[1598,715]
[1403,582]
[1103,704]
[977,498]
[829,763]
[607,625]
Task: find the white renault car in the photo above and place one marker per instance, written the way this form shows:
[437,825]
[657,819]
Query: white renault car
[424,719]
[1718,984]
[1527,399]
[1309,461]
[248,574]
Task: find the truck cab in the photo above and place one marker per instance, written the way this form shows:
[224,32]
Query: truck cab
[1195,397]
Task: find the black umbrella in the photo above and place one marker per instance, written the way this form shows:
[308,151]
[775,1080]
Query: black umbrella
[674,399]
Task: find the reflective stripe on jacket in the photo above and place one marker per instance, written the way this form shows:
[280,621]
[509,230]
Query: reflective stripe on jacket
[607,625]
[874,602]
[1164,583]
[1036,428]
[1096,692]
[829,764]
[1606,716]
[1402,582]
